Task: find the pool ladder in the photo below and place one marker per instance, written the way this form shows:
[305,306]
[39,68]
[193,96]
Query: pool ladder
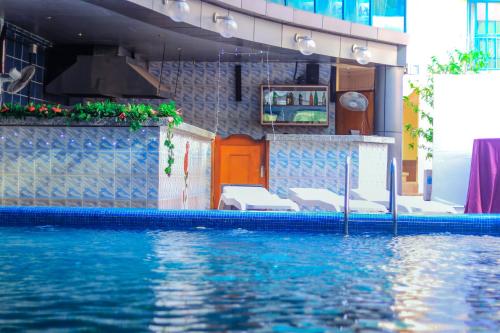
[347,194]
[393,197]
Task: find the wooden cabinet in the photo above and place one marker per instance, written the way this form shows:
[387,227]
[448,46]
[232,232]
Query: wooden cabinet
[353,78]
[346,120]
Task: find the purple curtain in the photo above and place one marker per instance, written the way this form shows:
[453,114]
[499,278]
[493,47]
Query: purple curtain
[484,184]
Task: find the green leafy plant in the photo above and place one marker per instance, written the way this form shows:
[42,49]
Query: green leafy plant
[134,114]
[458,63]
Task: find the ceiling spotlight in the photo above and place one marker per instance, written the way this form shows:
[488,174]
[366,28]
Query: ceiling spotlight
[361,54]
[80,34]
[178,10]
[306,44]
[226,25]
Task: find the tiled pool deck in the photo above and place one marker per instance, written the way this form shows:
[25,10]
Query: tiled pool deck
[273,221]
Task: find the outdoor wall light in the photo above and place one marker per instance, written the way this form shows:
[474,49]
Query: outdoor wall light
[306,44]
[361,54]
[178,10]
[226,25]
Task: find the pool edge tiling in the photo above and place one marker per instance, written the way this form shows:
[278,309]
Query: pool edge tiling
[272,221]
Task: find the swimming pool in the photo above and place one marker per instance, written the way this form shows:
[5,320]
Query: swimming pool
[241,280]
[137,270]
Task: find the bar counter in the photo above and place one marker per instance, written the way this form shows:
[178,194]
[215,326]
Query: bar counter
[297,160]
[45,162]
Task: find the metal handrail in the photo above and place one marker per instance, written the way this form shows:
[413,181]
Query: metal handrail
[393,204]
[347,194]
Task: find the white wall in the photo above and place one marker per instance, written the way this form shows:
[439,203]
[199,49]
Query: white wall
[435,28]
[466,108]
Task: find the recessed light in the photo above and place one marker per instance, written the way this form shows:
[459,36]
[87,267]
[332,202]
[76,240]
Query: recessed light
[49,17]
[79,34]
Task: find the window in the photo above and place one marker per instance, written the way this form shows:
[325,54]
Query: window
[307,5]
[389,14]
[334,8]
[280,2]
[485,26]
[357,11]
[386,14]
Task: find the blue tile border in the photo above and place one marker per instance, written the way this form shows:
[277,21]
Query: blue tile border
[327,222]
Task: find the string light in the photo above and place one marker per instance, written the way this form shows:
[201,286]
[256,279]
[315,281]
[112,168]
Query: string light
[269,89]
[218,95]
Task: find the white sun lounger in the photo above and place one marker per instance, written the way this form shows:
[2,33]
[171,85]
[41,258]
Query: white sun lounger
[406,204]
[251,197]
[328,200]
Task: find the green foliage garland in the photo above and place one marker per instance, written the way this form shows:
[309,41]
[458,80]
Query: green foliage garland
[458,63]
[134,114]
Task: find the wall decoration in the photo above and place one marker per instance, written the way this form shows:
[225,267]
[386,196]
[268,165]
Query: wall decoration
[186,177]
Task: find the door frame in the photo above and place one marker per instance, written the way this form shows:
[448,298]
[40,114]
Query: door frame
[235,140]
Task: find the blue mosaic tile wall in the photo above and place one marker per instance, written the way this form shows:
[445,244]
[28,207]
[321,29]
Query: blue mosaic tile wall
[473,224]
[197,95]
[321,164]
[311,164]
[89,167]
[18,55]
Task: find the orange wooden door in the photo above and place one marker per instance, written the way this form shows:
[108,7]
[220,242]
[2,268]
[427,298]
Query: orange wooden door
[238,160]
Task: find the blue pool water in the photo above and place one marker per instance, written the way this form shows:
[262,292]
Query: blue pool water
[198,280]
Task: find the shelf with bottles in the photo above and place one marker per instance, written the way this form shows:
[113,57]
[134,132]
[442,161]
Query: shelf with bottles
[294,105]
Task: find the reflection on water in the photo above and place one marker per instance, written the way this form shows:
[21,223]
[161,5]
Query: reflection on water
[241,281]
[180,292]
[446,286]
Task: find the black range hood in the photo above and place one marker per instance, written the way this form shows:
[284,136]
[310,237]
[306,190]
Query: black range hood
[107,76]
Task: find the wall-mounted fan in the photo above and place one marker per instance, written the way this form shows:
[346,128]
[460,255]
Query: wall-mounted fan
[357,102]
[16,79]
[354,101]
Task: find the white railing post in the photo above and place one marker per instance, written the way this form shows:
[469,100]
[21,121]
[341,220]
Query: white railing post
[347,194]
[394,195]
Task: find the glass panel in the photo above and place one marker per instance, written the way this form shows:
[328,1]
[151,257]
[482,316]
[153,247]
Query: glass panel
[491,27]
[357,11]
[491,49]
[494,48]
[493,11]
[481,11]
[302,4]
[330,8]
[481,27]
[481,44]
[281,2]
[389,14]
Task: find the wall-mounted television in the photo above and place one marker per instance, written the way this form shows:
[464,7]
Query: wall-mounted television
[294,105]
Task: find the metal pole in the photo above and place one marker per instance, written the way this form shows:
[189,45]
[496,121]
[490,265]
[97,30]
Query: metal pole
[347,194]
[394,195]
